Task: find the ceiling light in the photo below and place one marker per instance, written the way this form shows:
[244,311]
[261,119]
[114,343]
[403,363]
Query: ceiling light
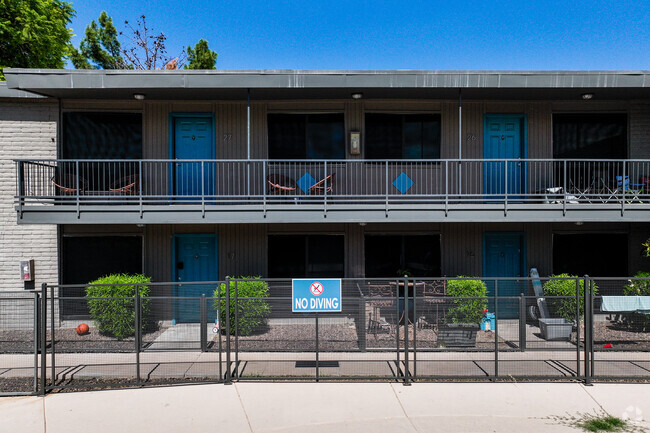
[587,96]
[357,95]
[138,96]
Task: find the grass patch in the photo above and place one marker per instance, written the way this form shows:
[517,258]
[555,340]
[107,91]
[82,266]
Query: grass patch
[606,423]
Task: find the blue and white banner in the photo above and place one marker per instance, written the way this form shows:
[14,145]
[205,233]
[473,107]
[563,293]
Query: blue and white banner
[315,295]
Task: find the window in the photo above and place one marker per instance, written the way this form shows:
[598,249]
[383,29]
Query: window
[402,136]
[590,136]
[101,135]
[596,254]
[306,136]
[86,258]
[304,256]
[389,256]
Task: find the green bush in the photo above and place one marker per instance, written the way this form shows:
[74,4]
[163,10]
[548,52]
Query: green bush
[565,285]
[466,310]
[116,317]
[251,307]
[638,287]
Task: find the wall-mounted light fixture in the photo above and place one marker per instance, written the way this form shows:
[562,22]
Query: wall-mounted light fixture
[357,95]
[355,143]
[587,96]
[139,96]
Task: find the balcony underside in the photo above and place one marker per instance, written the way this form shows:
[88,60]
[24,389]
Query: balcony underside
[332,213]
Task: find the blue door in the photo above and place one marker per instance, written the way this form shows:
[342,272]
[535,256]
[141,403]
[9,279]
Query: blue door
[195,259]
[193,139]
[503,256]
[503,139]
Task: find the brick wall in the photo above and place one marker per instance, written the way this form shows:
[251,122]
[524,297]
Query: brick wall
[27,130]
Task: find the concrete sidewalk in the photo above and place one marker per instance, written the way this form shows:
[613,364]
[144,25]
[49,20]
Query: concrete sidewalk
[325,407]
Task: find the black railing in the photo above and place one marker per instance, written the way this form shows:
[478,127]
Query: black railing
[403,330]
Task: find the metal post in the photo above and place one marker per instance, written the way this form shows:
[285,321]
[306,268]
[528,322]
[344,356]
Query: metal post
[37,323]
[591,327]
[248,141]
[77,188]
[446,187]
[317,366]
[588,331]
[363,329]
[505,186]
[43,337]
[578,320]
[406,332]
[204,323]
[236,330]
[140,185]
[460,137]
[397,316]
[203,189]
[325,191]
[228,379]
[219,330]
[564,188]
[138,332]
[415,330]
[522,322]
[53,336]
[496,328]
[386,186]
[623,187]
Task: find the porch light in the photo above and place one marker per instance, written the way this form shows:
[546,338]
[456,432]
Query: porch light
[587,96]
[358,95]
[139,96]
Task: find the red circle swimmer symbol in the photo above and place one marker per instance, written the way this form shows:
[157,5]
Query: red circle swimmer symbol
[316,288]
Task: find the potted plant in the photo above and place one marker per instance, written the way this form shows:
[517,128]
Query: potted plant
[464,315]
[560,294]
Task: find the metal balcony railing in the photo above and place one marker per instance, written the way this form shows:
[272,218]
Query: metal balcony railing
[354,183]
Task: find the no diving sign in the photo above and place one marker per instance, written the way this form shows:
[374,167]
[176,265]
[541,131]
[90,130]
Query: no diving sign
[316,295]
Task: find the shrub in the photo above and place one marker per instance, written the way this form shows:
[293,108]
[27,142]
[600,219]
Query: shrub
[116,317]
[251,306]
[565,285]
[638,287]
[466,310]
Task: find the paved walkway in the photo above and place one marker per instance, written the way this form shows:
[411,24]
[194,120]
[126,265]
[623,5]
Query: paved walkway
[325,407]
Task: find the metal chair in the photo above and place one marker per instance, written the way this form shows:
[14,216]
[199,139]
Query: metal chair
[380,296]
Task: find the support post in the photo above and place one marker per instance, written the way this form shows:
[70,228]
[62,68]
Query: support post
[496,328]
[43,337]
[317,350]
[588,331]
[522,322]
[36,336]
[138,332]
[228,378]
[406,331]
[204,323]
[53,337]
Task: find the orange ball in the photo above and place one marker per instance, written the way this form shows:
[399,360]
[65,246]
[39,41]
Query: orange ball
[82,329]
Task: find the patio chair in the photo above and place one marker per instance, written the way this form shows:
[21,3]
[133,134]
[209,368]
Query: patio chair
[433,294]
[381,296]
[67,183]
[323,185]
[126,185]
[633,190]
[280,184]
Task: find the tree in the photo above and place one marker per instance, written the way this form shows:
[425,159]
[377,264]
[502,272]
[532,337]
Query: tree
[201,57]
[99,46]
[34,33]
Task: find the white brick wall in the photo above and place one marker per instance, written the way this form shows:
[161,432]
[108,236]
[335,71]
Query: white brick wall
[27,130]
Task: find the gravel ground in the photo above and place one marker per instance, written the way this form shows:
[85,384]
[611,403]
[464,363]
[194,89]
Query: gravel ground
[67,340]
[16,384]
[619,337]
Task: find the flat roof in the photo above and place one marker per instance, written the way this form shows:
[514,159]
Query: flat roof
[307,84]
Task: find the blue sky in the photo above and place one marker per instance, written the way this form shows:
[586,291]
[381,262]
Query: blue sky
[450,35]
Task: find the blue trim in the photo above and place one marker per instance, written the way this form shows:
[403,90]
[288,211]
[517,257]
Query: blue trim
[171,150]
[523,119]
[175,276]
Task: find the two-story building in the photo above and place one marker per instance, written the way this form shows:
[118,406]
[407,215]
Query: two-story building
[199,175]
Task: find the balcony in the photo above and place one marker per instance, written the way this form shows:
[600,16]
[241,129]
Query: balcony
[307,191]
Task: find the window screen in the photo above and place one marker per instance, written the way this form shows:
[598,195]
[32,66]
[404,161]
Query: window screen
[101,135]
[306,136]
[402,136]
[388,254]
[590,136]
[304,256]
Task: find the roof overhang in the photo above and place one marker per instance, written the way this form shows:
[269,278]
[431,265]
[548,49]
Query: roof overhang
[296,84]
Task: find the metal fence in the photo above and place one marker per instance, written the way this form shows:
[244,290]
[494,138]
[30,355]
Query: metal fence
[402,330]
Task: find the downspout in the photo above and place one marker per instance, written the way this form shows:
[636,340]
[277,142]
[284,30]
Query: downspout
[460,138]
[248,141]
